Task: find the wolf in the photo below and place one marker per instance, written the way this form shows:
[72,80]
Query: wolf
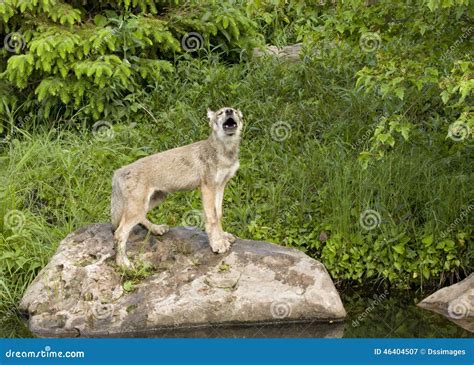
[208,164]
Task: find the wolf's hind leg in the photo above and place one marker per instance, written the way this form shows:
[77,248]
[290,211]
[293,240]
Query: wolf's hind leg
[156,229]
[154,199]
[121,237]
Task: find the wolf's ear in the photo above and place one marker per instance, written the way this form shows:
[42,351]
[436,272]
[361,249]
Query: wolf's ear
[210,115]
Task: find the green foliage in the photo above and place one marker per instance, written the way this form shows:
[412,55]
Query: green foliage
[313,203]
[400,51]
[382,126]
[85,58]
[131,277]
[410,52]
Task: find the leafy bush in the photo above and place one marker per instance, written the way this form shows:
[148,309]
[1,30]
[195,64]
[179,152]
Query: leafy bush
[98,58]
[411,56]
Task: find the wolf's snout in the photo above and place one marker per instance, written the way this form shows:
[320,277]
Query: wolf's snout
[229,112]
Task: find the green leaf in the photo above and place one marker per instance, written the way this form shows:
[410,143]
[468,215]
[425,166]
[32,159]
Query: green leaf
[400,92]
[399,248]
[445,96]
[405,131]
[449,244]
[340,28]
[128,286]
[100,20]
[426,273]
[428,240]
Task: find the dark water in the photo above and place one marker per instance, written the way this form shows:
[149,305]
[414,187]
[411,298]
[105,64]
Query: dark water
[376,315]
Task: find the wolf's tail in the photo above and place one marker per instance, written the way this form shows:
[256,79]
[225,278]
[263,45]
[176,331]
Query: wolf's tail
[116,203]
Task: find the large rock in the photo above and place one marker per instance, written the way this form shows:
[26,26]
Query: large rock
[81,292]
[456,302]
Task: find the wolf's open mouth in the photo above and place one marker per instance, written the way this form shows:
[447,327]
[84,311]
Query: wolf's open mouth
[230,123]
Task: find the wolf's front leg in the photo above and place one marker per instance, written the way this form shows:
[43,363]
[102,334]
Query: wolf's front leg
[219,201]
[217,239]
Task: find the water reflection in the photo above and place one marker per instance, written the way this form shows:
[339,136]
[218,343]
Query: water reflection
[383,314]
[395,316]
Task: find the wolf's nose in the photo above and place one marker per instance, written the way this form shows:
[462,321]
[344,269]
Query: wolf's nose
[229,111]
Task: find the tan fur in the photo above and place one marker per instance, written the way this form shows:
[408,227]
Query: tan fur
[208,164]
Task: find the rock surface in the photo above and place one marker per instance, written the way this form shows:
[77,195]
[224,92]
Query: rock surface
[81,292]
[456,302]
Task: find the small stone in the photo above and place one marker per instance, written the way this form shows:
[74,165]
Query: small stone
[455,302]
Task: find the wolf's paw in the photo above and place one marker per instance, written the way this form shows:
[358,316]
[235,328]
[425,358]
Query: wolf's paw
[229,237]
[123,262]
[159,229]
[220,245]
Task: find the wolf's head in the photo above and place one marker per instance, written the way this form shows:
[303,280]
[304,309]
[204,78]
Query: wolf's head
[226,123]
